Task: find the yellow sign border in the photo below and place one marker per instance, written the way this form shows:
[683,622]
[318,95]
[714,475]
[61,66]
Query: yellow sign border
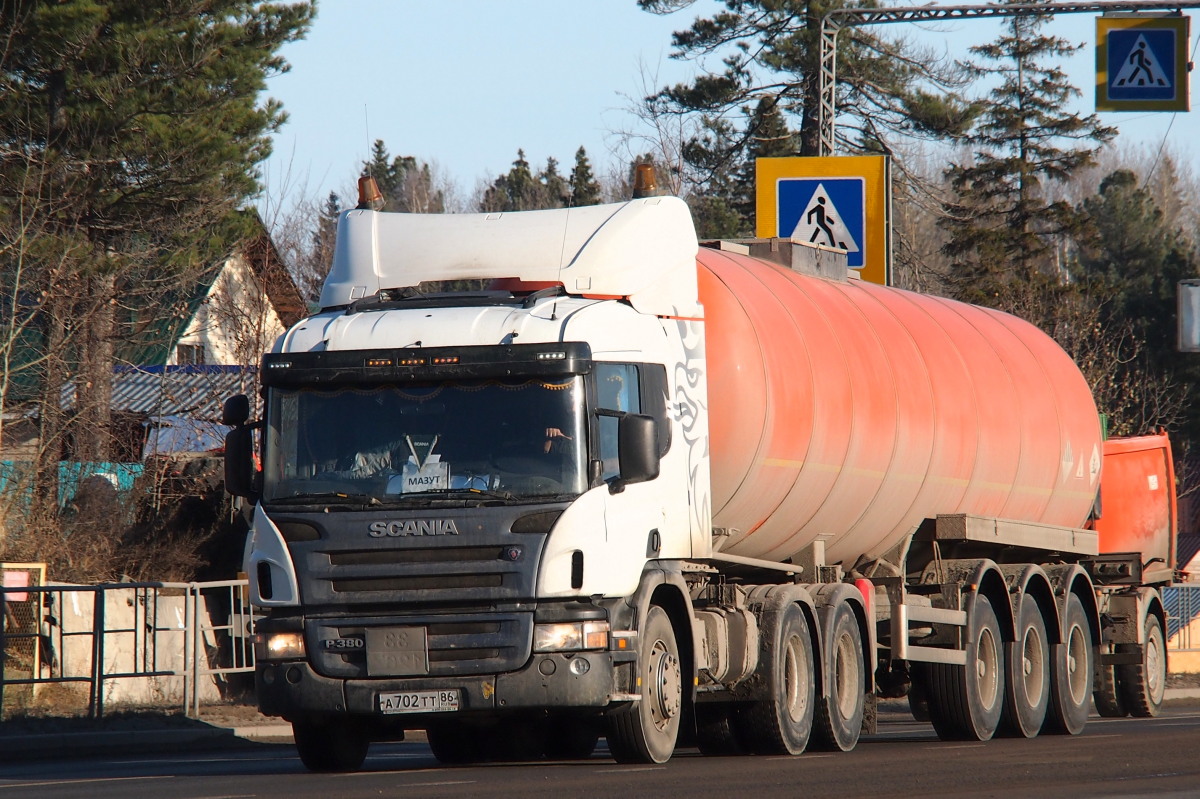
[1182,28]
[875,171]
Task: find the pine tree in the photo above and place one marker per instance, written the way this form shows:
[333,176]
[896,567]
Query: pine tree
[520,190]
[771,52]
[407,185]
[1003,227]
[584,188]
[130,132]
[557,192]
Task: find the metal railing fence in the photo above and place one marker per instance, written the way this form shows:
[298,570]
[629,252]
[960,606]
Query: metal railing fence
[177,641]
[1182,604]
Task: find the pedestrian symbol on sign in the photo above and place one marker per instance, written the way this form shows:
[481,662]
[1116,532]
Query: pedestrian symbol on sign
[1141,68]
[821,223]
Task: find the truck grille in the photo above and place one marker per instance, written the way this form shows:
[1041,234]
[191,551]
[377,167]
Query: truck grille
[459,645]
[426,575]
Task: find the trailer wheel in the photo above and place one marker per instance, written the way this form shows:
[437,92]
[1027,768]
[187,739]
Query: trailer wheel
[965,702]
[1027,679]
[782,723]
[646,731]
[840,711]
[1142,686]
[1071,673]
[1109,703]
[334,744]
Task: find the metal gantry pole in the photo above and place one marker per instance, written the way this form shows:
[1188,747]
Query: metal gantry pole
[840,18]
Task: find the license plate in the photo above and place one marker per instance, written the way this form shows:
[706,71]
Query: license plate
[419,701]
[397,651]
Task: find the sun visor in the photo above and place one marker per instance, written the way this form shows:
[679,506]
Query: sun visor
[642,249]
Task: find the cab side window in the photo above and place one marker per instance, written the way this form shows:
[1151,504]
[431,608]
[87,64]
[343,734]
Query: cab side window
[618,392]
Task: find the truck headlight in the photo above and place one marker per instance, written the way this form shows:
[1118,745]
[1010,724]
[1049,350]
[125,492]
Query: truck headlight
[570,636]
[279,646]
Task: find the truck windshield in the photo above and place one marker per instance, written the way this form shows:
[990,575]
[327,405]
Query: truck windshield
[523,438]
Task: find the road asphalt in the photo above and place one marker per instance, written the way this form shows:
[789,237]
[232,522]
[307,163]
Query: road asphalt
[223,731]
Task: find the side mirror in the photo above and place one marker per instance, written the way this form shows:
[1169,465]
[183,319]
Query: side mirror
[637,448]
[236,410]
[239,461]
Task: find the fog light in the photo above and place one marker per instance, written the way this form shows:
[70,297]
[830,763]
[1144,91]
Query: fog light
[580,666]
[279,646]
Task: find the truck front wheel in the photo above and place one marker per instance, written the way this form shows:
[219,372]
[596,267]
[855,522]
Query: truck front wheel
[334,744]
[646,731]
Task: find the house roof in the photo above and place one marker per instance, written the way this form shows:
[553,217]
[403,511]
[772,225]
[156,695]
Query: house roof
[1186,547]
[195,391]
[155,339]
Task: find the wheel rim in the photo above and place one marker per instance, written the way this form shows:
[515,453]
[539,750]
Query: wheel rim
[845,675]
[795,679]
[1154,666]
[1077,659]
[987,662]
[1033,659]
[666,690]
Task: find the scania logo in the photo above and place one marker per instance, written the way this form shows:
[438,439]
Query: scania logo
[413,527]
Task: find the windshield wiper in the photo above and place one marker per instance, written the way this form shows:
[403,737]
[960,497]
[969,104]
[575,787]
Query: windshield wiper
[464,492]
[340,497]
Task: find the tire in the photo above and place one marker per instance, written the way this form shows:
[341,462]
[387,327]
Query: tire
[330,745]
[715,733]
[1071,672]
[1142,686]
[1109,703]
[1027,675]
[839,712]
[782,723]
[966,702]
[918,700]
[457,744]
[646,731]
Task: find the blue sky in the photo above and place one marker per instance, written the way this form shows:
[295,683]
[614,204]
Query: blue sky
[465,83]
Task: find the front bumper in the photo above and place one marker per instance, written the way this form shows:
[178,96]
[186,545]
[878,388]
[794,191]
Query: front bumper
[293,689]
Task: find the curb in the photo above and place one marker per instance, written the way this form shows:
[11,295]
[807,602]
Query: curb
[56,746]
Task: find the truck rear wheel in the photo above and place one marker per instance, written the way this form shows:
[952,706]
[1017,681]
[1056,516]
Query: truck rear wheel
[965,702]
[334,744]
[646,731]
[1027,678]
[782,723]
[1071,672]
[839,713]
[1143,685]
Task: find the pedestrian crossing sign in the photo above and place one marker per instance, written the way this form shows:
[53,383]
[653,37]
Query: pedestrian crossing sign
[841,202]
[1141,62]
